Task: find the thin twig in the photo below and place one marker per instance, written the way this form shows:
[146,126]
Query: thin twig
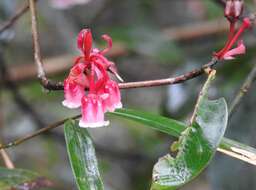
[14,18]
[37,53]
[59,85]
[238,150]
[40,131]
[169,81]
[203,92]
[7,161]
[239,155]
[243,91]
[241,152]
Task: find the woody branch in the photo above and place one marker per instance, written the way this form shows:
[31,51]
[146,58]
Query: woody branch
[50,85]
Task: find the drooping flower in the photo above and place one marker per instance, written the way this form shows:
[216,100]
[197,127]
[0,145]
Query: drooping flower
[90,72]
[92,112]
[113,98]
[73,94]
[74,86]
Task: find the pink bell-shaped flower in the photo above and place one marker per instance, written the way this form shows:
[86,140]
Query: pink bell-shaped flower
[92,112]
[73,94]
[113,100]
[84,42]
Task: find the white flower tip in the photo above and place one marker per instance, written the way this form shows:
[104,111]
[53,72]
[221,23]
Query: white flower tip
[70,105]
[93,125]
[119,105]
[116,106]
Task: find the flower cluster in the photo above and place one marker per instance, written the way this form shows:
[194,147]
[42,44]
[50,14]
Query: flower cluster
[233,10]
[90,73]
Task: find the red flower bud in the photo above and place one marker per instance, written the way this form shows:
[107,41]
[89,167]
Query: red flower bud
[84,42]
[234,9]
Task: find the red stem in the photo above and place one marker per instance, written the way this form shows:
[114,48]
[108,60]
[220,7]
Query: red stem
[235,38]
[220,53]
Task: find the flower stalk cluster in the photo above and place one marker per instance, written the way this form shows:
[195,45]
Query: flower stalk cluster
[233,10]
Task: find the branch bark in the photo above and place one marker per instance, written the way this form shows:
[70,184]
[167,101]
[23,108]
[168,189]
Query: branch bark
[243,91]
[46,83]
[59,85]
[7,161]
[50,85]
[38,132]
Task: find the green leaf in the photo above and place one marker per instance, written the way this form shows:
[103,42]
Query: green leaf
[172,127]
[167,125]
[156,122]
[21,179]
[198,143]
[82,157]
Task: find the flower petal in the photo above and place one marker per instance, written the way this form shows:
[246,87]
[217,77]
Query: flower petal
[77,75]
[108,39]
[84,124]
[84,42]
[113,101]
[73,94]
[240,49]
[92,112]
